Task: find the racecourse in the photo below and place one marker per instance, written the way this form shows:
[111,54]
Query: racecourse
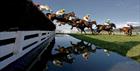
[124,45]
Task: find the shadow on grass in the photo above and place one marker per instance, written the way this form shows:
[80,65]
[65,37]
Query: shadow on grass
[118,47]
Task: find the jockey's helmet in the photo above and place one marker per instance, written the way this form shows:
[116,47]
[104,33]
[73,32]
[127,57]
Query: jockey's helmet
[128,24]
[88,15]
[63,10]
[108,19]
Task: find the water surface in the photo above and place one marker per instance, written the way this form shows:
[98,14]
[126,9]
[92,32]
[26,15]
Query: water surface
[71,54]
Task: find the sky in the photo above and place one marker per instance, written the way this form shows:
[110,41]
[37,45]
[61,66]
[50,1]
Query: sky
[119,11]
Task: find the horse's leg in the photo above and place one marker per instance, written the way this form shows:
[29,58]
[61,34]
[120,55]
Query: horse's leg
[85,32]
[71,27]
[113,33]
[109,32]
[129,32]
[99,31]
[81,31]
[126,33]
[91,30]
[77,28]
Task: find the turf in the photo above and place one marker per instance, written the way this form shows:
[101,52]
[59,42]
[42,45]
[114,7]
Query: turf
[125,45]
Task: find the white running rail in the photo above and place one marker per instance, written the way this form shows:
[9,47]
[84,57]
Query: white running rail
[14,45]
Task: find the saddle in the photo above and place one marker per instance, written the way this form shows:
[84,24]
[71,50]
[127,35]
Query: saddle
[77,21]
[60,16]
[107,26]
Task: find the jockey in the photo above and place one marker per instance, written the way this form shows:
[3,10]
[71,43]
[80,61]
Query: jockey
[127,25]
[72,18]
[107,22]
[87,18]
[60,13]
[43,7]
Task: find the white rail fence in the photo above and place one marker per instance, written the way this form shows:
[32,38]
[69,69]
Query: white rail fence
[14,45]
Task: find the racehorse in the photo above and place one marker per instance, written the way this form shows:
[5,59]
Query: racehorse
[82,24]
[80,48]
[63,21]
[127,30]
[108,28]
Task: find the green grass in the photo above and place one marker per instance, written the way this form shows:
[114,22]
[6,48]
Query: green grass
[125,45]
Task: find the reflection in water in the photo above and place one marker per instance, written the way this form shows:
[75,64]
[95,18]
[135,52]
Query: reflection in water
[68,54]
[107,52]
[76,49]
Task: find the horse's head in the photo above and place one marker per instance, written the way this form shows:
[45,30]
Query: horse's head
[131,27]
[82,22]
[70,14]
[51,16]
[94,22]
[112,25]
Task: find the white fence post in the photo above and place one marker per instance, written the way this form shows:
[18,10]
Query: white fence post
[39,36]
[18,42]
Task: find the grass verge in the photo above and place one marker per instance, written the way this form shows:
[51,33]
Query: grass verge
[125,45]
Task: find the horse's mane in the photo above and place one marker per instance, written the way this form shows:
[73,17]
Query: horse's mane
[131,27]
[113,25]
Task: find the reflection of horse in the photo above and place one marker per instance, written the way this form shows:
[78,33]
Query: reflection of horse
[107,52]
[64,20]
[59,58]
[82,24]
[127,30]
[108,28]
[79,48]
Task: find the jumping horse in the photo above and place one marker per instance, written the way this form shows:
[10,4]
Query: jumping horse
[127,30]
[82,24]
[64,20]
[108,28]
